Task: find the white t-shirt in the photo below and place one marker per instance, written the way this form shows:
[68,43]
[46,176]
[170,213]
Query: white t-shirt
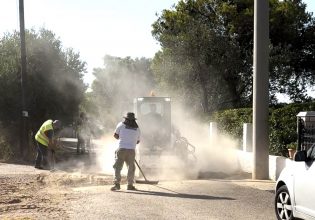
[128,137]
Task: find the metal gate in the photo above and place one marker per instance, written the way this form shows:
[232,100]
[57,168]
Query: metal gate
[305,130]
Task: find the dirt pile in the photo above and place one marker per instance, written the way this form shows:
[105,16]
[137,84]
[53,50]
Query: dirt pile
[27,196]
[42,195]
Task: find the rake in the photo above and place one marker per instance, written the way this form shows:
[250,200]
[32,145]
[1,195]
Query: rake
[145,181]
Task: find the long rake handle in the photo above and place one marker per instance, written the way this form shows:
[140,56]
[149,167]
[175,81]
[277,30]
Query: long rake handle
[141,171]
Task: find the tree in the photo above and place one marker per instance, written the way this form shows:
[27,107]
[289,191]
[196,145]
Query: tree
[292,43]
[204,56]
[292,32]
[206,48]
[56,77]
[55,86]
[117,84]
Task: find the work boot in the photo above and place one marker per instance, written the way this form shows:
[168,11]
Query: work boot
[115,187]
[131,187]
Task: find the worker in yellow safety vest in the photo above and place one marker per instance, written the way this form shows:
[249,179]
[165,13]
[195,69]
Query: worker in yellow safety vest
[45,142]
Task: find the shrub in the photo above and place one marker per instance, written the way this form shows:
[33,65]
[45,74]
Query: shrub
[6,152]
[282,124]
[292,146]
[231,121]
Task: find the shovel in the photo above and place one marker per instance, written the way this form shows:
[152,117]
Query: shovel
[145,181]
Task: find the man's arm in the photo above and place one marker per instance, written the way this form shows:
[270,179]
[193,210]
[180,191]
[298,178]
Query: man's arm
[116,136]
[139,133]
[117,131]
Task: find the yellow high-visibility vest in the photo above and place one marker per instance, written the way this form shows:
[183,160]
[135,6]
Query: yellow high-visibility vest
[40,135]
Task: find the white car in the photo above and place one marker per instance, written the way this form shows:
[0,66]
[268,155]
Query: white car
[295,188]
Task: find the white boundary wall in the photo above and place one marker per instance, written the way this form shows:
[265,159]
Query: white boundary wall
[245,156]
[276,163]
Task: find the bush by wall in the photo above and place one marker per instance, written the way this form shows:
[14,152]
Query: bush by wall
[231,121]
[5,151]
[282,124]
[8,142]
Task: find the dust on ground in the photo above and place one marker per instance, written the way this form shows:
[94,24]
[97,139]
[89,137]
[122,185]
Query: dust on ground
[28,193]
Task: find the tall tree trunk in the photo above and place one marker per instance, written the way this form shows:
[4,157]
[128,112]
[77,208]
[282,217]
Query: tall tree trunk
[203,82]
[232,83]
[205,104]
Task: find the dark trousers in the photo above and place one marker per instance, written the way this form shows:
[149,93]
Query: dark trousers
[80,144]
[42,155]
[83,144]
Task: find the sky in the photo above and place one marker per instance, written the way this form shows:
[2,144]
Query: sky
[95,28]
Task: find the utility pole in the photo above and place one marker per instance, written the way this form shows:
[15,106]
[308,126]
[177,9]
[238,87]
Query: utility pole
[24,120]
[261,90]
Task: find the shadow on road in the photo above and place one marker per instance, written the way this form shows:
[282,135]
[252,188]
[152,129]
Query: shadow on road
[178,195]
[265,185]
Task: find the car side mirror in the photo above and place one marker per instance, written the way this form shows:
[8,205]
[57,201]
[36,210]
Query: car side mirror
[300,156]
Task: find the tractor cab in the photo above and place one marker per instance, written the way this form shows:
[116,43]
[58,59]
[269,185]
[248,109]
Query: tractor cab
[154,118]
[161,148]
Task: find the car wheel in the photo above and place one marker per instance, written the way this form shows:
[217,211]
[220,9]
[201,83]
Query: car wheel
[283,204]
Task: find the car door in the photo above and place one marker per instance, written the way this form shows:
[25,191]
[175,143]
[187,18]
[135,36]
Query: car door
[304,187]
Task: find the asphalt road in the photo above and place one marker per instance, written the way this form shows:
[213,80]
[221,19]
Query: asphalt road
[194,199]
[28,193]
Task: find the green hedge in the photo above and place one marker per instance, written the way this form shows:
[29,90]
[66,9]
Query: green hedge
[231,121]
[282,124]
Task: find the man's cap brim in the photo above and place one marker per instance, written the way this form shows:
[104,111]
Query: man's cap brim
[130,118]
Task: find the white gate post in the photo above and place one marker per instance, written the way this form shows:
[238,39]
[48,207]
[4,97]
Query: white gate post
[213,130]
[247,137]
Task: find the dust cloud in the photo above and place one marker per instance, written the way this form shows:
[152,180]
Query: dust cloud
[204,155]
[199,155]
[214,154]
